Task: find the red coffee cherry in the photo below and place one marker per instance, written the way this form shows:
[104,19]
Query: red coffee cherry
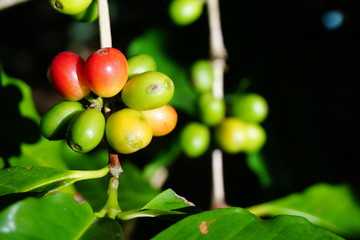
[106,72]
[66,74]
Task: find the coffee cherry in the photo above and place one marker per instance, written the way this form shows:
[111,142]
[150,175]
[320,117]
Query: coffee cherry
[250,107]
[162,120]
[141,63]
[195,139]
[55,121]
[256,137]
[211,109]
[66,74]
[106,72]
[70,7]
[231,135]
[89,15]
[86,130]
[147,91]
[185,12]
[202,75]
[128,131]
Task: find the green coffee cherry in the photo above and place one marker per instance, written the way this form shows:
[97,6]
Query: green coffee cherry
[86,130]
[185,12]
[256,137]
[250,107]
[148,90]
[55,121]
[89,15]
[202,75]
[231,135]
[195,139]
[141,63]
[211,109]
[70,7]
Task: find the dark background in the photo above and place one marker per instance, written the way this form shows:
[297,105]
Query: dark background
[308,74]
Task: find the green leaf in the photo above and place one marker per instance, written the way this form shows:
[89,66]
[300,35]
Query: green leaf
[334,207]
[134,189]
[237,223]
[256,163]
[166,205]
[55,216]
[19,129]
[104,228]
[21,93]
[94,190]
[154,43]
[168,200]
[18,124]
[41,179]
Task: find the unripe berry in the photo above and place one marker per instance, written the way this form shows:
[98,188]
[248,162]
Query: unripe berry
[55,121]
[86,130]
[231,135]
[185,12]
[147,91]
[250,107]
[195,139]
[128,131]
[141,63]
[70,7]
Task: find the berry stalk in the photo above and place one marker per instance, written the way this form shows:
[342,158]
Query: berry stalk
[111,207]
[104,24]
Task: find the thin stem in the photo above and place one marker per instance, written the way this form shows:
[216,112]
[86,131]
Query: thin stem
[218,56]
[218,195]
[10,3]
[104,24]
[83,175]
[111,208]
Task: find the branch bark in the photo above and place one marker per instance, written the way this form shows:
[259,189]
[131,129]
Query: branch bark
[218,55]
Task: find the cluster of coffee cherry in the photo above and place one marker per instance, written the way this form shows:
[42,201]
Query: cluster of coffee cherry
[234,124]
[125,100]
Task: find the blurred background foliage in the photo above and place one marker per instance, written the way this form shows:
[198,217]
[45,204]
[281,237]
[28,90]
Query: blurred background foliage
[305,68]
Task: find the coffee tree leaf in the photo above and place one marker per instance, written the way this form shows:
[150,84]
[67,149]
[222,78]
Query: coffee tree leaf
[167,205]
[237,223]
[19,128]
[335,207]
[104,228]
[55,216]
[134,189]
[41,179]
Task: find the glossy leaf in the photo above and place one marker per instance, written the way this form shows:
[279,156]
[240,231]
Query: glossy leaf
[19,129]
[55,216]
[134,189]
[238,223]
[167,205]
[41,179]
[334,207]
[93,190]
[104,228]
